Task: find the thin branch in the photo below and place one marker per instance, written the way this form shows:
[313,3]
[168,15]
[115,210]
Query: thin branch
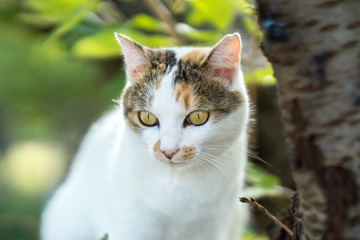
[161,12]
[267,213]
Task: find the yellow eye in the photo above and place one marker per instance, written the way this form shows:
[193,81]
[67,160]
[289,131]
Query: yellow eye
[147,118]
[198,117]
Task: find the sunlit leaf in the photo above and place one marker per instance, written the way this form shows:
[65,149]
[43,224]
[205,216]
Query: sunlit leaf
[262,183]
[209,37]
[260,177]
[104,45]
[218,13]
[250,235]
[99,45]
[50,12]
[153,40]
[260,192]
[147,23]
[261,76]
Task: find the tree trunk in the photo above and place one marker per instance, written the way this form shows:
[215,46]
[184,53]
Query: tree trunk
[314,47]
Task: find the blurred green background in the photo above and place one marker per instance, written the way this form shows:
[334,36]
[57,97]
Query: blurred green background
[60,69]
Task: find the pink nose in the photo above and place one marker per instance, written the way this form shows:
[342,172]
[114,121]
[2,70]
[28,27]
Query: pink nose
[169,154]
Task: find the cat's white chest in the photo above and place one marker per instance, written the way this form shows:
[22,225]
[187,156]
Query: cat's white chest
[162,204]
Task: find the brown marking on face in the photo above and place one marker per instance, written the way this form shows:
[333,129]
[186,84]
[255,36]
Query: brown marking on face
[195,57]
[186,153]
[158,82]
[185,96]
[157,152]
[186,100]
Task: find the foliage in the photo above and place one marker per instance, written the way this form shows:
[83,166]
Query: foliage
[249,235]
[71,18]
[262,183]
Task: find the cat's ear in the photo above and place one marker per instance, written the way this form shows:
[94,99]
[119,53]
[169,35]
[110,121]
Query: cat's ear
[224,58]
[136,58]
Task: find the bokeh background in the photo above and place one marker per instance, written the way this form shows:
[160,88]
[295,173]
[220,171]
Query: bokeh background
[60,69]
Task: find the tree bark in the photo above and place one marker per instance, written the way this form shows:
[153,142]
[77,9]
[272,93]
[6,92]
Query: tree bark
[314,47]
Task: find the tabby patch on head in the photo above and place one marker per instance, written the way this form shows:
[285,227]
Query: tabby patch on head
[177,98]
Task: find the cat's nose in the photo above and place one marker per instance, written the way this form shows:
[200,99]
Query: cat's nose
[169,154]
[169,145]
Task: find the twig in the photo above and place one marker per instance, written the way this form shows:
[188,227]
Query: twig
[267,213]
[162,13]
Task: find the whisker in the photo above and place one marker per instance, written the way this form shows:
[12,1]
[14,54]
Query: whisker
[211,157]
[216,145]
[219,168]
[255,179]
[204,166]
[214,148]
[215,164]
[253,155]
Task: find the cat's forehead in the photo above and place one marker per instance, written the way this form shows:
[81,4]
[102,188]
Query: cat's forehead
[163,101]
[180,82]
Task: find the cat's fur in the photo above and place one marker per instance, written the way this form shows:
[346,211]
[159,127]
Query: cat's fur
[122,183]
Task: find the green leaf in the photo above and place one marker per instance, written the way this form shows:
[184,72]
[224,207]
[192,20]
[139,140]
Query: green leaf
[104,45]
[218,13]
[262,183]
[147,23]
[73,19]
[99,45]
[203,37]
[261,75]
[153,40]
[250,235]
[260,192]
[258,176]
[49,12]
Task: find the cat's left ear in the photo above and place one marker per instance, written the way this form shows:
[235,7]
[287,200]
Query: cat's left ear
[224,58]
[136,57]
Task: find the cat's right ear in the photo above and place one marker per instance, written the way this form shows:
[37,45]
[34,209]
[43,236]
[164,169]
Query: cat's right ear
[136,58]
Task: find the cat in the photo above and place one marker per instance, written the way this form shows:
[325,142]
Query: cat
[169,162]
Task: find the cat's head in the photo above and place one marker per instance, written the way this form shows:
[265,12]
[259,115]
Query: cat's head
[187,104]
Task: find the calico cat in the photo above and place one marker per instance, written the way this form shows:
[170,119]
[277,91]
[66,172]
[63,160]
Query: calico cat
[169,162]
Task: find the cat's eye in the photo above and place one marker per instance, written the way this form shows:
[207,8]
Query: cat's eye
[198,117]
[147,118]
